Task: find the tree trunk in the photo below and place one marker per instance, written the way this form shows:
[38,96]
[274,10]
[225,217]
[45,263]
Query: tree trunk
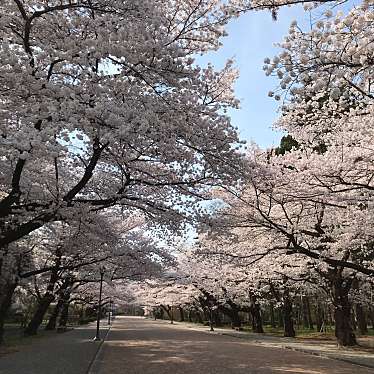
[309,311]
[168,309]
[319,316]
[272,315]
[37,319]
[217,318]
[199,318]
[307,314]
[189,315]
[371,316]
[10,265]
[51,325]
[256,317]
[62,323]
[353,319]
[5,303]
[361,319]
[304,312]
[289,330]
[236,322]
[206,313]
[232,311]
[280,317]
[342,313]
[82,315]
[181,314]
[48,297]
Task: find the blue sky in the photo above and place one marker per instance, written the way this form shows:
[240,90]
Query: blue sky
[251,39]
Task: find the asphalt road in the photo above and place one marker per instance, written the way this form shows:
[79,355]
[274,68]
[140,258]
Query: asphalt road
[139,346]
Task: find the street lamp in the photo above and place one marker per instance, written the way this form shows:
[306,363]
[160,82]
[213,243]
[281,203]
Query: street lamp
[211,318]
[110,310]
[97,337]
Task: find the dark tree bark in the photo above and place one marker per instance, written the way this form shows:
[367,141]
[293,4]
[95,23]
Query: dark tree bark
[289,330]
[46,299]
[361,319]
[155,313]
[162,312]
[82,315]
[256,316]
[217,318]
[37,319]
[307,314]
[230,309]
[353,319]
[342,311]
[5,303]
[52,322]
[236,322]
[189,315]
[199,318]
[10,267]
[206,313]
[280,317]
[65,296]
[319,316]
[371,316]
[181,314]
[309,311]
[62,323]
[169,310]
[280,311]
[171,314]
[10,232]
[272,315]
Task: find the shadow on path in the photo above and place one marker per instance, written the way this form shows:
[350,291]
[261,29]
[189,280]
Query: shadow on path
[139,346]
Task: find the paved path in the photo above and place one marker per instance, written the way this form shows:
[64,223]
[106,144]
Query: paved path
[67,353]
[139,346]
[363,355]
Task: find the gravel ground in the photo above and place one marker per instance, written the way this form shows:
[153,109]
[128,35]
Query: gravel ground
[139,346]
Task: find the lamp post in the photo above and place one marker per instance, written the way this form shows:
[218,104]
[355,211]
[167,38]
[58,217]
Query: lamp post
[109,311]
[211,318]
[97,337]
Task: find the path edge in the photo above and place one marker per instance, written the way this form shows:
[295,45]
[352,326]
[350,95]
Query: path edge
[98,351]
[305,351]
[322,355]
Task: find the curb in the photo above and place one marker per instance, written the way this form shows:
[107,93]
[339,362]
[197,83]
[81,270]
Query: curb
[295,349]
[326,356]
[305,351]
[99,348]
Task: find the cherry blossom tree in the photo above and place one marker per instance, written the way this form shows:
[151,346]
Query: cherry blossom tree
[103,110]
[315,200]
[65,258]
[102,105]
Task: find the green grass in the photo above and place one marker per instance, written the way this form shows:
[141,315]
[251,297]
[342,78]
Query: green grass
[303,333]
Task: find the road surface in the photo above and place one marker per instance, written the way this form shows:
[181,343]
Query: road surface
[139,346]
